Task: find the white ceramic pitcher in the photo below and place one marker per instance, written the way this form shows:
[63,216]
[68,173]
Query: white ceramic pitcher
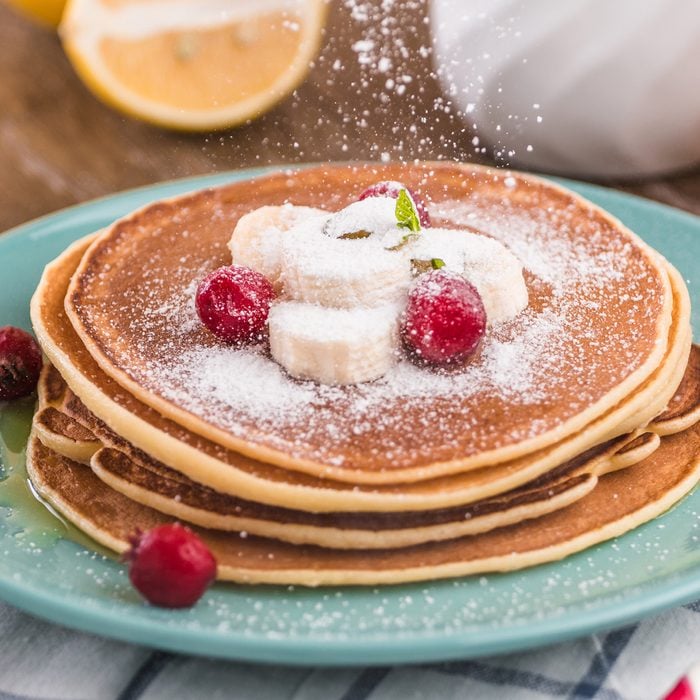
[603,88]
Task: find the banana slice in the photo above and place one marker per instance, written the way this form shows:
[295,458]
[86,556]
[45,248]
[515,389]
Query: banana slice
[374,217]
[341,273]
[256,240]
[493,269]
[334,346]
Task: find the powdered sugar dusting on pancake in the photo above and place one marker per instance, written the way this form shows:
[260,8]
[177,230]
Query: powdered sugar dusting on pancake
[595,301]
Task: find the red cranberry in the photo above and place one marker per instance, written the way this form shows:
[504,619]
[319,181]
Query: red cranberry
[683,690]
[389,188]
[444,319]
[170,566]
[234,302]
[20,363]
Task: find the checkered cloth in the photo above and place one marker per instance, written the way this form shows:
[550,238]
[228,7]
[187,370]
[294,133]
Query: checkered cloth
[642,662]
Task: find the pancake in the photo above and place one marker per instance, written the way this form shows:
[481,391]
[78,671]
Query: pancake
[153,484]
[55,428]
[64,435]
[678,415]
[621,501]
[595,330]
[133,424]
[160,488]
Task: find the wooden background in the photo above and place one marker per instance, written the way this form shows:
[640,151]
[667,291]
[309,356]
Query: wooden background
[59,145]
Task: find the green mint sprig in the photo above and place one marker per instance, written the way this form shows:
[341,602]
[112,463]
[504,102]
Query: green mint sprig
[405,211]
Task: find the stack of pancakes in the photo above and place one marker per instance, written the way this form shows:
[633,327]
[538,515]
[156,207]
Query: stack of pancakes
[573,423]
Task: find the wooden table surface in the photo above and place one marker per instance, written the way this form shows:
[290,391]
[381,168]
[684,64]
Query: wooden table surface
[59,145]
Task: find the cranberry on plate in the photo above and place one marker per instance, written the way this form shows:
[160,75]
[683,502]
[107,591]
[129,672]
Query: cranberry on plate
[20,363]
[170,566]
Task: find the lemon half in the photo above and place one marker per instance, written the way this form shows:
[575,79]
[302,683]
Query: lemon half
[192,65]
[47,12]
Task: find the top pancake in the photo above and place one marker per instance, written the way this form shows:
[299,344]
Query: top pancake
[595,329]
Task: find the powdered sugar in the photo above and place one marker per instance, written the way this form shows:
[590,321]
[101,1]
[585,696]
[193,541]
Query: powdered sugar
[543,250]
[180,311]
[594,305]
[250,382]
[224,374]
[323,260]
[518,363]
[374,215]
[332,325]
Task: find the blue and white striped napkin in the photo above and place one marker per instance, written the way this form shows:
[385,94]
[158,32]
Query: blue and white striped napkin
[641,662]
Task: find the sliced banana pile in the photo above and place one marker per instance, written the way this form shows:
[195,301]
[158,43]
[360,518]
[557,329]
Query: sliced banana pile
[343,279]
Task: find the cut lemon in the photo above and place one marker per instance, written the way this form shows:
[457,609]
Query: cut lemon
[193,65]
[46,12]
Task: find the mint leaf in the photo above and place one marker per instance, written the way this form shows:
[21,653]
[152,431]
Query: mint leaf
[405,212]
[437,263]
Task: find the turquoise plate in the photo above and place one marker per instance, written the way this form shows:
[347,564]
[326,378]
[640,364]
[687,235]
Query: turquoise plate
[43,570]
